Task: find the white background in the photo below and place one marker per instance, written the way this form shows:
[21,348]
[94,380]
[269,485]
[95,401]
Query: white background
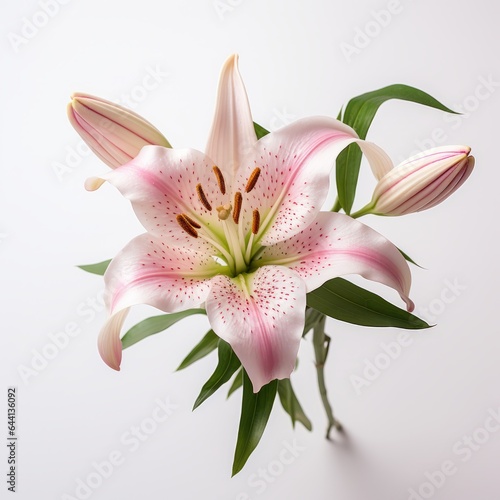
[294,60]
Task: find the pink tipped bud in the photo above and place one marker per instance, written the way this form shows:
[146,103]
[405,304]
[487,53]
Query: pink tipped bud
[422,181]
[115,134]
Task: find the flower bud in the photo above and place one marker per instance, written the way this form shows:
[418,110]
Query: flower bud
[115,134]
[422,181]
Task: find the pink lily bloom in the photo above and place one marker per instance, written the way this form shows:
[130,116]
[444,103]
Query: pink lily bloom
[421,182]
[238,230]
[114,133]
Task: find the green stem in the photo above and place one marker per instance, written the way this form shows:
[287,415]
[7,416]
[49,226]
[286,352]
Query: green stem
[312,318]
[336,206]
[363,211]
[321,343]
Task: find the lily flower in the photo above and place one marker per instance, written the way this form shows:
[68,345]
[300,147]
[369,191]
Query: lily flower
[114,133]
[421,182]
[238,230]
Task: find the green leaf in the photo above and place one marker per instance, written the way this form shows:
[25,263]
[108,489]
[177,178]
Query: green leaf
[259,130]
[227,365]
[205,346]
[409,259]
[291,404]
[347,173]
[361,110]
[237,382]
[99,268]
[154,325]
[359,114]
[255,411]
[345,301]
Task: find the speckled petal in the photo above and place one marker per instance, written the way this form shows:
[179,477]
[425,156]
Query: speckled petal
[161,184]
[261,315]
[336,245]
[147,271]
[295,164]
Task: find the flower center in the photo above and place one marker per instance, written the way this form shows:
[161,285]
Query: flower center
[237,248]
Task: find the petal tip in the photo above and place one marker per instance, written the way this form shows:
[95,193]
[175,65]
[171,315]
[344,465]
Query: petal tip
[93,183]
[410,305]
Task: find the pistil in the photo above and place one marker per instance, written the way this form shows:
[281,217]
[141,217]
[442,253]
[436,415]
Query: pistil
[235,246]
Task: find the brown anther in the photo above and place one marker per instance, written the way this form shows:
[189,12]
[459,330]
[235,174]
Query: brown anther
[238,200]
[255,221]
[252,180]
[220,179]
[182,220]
[191,221]
[203,198]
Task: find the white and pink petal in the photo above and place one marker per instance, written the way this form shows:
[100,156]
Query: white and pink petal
[147,271]
[162,183]
[295,164]
[232,135]
[336,245]
[261,315]
[109,343]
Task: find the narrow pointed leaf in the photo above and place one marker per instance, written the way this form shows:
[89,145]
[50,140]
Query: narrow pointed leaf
[409,259]
[361,110]
[205,346]
[259,130]
[347,173]
[255,411]
[227,365]
[237,382]
[98,268]
[291,404]
[154,325]
[359,114]
[342,300]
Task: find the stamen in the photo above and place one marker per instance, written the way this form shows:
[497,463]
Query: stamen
[252,180]
[238,200]
[224,211]
[191,221]
[182,220]
[203,198]
[220,179]
[255,221]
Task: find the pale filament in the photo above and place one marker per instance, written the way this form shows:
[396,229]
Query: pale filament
[236,251]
